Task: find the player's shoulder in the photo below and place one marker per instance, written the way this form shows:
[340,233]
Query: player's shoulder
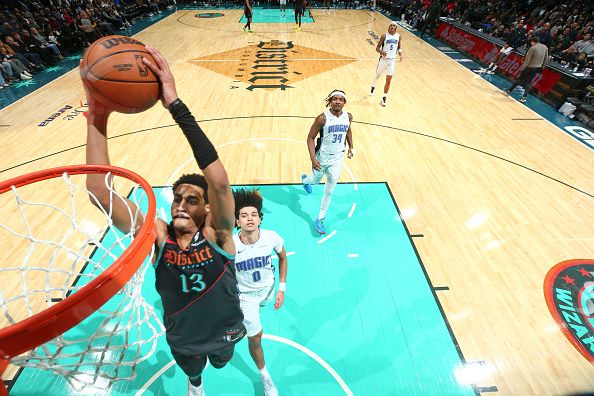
[269,234]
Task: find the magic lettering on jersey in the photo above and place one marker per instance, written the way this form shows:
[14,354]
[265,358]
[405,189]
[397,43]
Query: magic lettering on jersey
[569,292]
[338,128]
[253,263]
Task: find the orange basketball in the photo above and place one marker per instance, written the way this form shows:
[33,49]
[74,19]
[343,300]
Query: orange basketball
[113,72]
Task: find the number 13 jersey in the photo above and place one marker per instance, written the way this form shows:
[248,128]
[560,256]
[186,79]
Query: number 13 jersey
[199,293]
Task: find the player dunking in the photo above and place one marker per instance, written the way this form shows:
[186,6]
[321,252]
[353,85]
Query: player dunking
[255,273]
[194,270]
[334,128]
[388,45]
[247,11]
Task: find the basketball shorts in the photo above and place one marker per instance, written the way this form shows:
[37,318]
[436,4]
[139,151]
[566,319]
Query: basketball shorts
[283,2]
[386,65]
[250,303]
[331,166]
[193,365]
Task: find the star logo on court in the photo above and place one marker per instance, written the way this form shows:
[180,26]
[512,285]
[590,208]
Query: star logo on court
[272,64]
[52,69]
[25,83]
[584,272]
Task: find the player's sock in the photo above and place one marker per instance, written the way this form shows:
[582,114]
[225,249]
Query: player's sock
[264,372]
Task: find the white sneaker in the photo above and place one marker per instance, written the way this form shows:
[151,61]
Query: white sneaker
[25,77]
[383,102]
[195,390]
[269,387]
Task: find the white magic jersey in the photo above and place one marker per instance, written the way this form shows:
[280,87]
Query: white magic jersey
[254,262]
[391,45]
[334,133]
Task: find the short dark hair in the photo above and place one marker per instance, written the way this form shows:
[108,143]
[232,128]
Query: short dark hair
[194,179]
[245,197]
[535,39]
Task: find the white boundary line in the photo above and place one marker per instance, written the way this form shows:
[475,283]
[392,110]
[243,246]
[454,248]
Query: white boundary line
[158,374]
[315,357]
[327,237]
[352,210]
[270,337]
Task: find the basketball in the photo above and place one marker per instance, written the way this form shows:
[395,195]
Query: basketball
[113,72]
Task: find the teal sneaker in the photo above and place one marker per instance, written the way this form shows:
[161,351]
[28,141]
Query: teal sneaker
[319,224]
[306,186]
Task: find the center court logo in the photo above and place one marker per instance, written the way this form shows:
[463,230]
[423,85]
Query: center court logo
[271,64]
[569,292]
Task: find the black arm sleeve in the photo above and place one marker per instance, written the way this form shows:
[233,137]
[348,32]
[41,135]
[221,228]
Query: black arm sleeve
[203,150]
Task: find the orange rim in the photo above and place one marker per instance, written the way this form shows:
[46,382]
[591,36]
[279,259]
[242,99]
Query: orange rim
[51,322]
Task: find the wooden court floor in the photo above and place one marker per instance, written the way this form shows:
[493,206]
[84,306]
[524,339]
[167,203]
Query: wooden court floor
[498,194]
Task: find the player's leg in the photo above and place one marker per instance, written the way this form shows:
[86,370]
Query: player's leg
[382,64]
[314,178]
[332,172]
[250,306]
[219,358]
[192,366]
[389,74]
[517,82]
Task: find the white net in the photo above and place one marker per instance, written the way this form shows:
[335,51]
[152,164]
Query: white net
[52,246]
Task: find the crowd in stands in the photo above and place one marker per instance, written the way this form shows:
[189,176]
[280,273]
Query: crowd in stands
[38,33]
[566,27]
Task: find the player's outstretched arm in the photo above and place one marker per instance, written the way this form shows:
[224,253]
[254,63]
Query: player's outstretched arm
[101,189]
[222,204]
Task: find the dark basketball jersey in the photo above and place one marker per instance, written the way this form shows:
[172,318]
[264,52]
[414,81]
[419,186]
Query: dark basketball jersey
[199,291]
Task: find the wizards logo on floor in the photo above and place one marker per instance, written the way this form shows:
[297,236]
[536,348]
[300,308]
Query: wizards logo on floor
[569,292]
[271,64]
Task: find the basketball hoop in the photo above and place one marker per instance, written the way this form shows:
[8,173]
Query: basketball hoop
[81,301]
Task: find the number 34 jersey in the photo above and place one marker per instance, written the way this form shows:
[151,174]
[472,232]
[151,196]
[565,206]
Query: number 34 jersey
[254,262]
[333,134]
[199,293]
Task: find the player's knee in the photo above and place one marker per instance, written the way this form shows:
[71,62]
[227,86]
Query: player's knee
[255,340]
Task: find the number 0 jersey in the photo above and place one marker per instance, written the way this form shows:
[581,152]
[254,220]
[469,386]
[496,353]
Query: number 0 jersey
[254,262]
[199,293]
